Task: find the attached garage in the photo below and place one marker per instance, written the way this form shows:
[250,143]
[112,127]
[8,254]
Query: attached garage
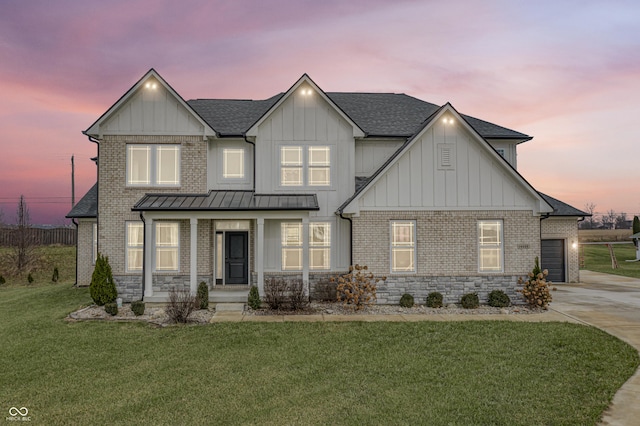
[552,258]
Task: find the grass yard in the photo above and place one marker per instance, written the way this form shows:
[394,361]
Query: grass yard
[598,259]
[454,373]
[49,257]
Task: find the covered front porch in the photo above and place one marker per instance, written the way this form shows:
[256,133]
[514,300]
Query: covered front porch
[220,240]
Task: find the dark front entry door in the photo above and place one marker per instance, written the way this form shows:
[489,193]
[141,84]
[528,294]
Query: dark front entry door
[237,258]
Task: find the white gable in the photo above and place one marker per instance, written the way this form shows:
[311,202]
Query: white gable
[150,107]
[447,166]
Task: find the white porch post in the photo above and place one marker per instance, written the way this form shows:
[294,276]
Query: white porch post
[148,257]
[193,253]
[305,255]
[260,254]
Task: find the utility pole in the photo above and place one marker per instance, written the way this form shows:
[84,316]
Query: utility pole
[73,183]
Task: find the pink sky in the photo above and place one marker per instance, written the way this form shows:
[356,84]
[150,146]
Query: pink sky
[566,73]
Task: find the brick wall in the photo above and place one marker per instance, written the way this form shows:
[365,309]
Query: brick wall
[567,229]
[85,264]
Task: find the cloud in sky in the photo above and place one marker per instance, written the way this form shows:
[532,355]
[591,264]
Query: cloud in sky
[564,72]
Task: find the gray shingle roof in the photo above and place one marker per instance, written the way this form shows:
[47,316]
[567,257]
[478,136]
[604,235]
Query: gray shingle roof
[226,200]
[562,209]
[87,206]
[378,114]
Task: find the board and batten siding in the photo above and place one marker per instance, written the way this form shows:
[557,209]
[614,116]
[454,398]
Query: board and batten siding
[474,179]
[152,112]
[305,121]
[215,179]
[371,154]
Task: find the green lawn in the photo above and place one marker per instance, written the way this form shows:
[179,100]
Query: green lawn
[457,373]
[598,259]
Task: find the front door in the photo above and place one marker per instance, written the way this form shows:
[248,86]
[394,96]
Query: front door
[236,257]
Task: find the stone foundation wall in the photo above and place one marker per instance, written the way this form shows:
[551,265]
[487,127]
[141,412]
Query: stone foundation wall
[130,286]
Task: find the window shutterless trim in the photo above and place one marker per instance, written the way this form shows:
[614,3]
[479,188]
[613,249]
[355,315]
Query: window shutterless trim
[153,158]
[397,246]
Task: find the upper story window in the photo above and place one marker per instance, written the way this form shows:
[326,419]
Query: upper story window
[490,247]
[501,152]
[233,163]
[153,165]
[295,160]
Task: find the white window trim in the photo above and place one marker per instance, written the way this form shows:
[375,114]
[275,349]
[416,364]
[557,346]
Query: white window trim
[155,248]
[499,245]
[152,166]
[236,177]
[284,246]
[305,167]
[415,248]
[322,247]
[128,247]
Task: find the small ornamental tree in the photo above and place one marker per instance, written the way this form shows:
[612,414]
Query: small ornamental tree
[102,288]
[203,295]
[358,287]
[635,229]
[536,290]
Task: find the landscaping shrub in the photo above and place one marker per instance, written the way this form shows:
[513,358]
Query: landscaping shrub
[137,308]
[254,301]
[56,275]
[111,308]
[203,295]
[470,301]
[30,278]
[275,292]
[357,288]
[536,290]
[181,305]
[406,301]
[297,299]
[2,280]
[434,300]
[102,288]
[498,299]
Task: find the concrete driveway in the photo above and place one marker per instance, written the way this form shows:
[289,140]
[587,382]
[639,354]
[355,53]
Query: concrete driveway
[611,303]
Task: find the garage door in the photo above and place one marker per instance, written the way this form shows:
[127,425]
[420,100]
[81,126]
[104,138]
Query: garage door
[552,259]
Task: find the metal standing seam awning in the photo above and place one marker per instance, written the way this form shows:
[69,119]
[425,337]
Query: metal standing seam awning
[226,201]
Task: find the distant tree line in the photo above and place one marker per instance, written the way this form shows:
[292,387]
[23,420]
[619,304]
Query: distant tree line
[609,220]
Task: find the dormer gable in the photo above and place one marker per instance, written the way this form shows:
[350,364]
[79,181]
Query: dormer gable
[305,86]
[150,107]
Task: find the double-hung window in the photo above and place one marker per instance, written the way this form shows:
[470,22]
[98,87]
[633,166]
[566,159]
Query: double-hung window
[153,165]
[135,246]
[301,166]
[319,245]
[233,163]
[490,246]
[292,246]
[167,246]
[403,246]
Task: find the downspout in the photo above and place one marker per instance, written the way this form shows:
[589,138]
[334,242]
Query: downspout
[350,237]
[97,142]
[253,154]
[73,220]
[144,251]
[543,217]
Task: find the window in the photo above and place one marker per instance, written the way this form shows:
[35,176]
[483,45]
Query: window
[135,246]
[319,166]
[293,164]
[403,246]
[94,252]
[167,246]
[233,163]
[291,246]
[500,151]
[320,245]
[490,248]
[153,165]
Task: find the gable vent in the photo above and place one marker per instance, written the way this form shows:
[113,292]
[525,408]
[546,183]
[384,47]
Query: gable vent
[446,156]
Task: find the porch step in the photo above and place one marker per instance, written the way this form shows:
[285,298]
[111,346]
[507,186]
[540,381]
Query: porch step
[229,307]
[228,296]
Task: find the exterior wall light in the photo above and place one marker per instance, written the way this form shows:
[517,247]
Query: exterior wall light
[447,120]
[306,92]
[574,245]
[150,85]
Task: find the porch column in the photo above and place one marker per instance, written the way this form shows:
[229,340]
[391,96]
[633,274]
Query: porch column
[260,254]
[148,257]
[305,255]
[193,279]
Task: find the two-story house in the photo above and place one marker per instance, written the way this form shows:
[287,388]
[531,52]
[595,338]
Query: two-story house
[306,183]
